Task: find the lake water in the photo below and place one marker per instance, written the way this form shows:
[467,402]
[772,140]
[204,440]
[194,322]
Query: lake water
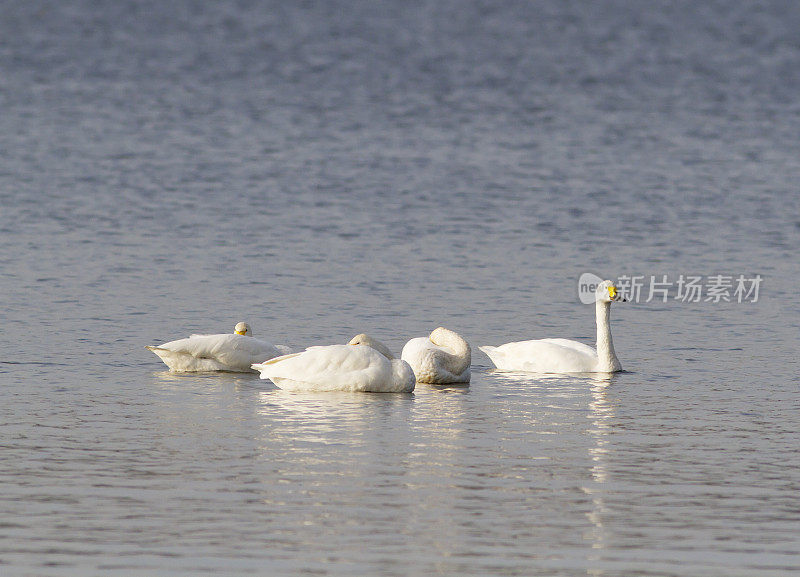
[321,169]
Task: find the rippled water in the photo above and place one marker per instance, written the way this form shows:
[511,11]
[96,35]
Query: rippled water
[321,169]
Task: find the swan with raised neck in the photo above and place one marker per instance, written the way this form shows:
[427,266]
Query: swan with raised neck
[607,361]
[563,355]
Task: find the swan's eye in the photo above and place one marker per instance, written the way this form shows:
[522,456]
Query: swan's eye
[612,292]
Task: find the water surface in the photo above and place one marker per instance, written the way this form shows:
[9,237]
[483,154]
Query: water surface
[325,169]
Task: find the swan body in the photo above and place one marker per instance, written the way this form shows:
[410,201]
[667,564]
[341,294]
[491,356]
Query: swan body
[443,357]
[563,355]
[224,352]
[363,365]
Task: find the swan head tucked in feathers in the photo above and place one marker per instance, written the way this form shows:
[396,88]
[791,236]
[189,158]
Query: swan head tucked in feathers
[439,335]
[367,340]
[606,292]
[242,329]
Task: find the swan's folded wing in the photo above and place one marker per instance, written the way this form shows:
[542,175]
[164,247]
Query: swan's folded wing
[578,346]
[333,367]
[201,346]
[415,349]
[230,351]
[543,356]
[267,364]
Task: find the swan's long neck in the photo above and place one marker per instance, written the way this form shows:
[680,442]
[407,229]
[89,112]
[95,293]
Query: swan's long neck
[462,353]
[607,358]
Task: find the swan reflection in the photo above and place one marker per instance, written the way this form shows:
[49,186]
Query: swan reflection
[331,416]
[458,388]
[550,400]
[550,379]
[207,378]
[601,414]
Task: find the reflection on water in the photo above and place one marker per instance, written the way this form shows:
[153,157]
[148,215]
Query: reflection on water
[457,388]
[587,394]
[326,416]
[210,378]
[514,469]
[601,415]
[551,379]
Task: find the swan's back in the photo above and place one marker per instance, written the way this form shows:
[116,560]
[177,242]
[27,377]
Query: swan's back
[580,347]
[544,356]
[354,368]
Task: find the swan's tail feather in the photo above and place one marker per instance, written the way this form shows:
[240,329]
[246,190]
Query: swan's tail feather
[490,352]
[262,366]
[160,350]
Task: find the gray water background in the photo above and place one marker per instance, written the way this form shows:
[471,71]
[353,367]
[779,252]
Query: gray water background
[326,168]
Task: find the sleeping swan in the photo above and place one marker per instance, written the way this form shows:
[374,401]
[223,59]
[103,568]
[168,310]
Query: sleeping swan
[443,357]
[562,355]
[228,352]
[362,365]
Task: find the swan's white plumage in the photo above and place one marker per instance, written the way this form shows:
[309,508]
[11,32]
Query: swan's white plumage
[441,358]
[223,352]
[351,368]
[563,355]
[543,356]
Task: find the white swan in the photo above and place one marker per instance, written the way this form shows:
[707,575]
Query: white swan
[226,352]
[443,357]
[562,355]
[362,365]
